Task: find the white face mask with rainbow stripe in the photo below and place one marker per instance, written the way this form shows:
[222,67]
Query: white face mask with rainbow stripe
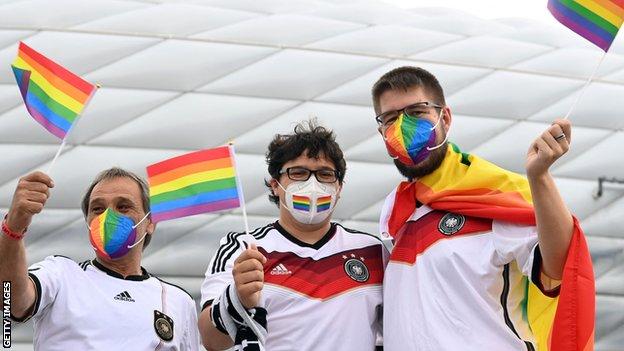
[309,202]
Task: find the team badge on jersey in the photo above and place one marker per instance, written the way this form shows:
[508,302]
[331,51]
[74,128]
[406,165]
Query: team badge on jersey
[451,223]
[163,325]
[356,270]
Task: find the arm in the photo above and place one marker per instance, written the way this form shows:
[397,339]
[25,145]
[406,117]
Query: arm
[212,338]
[30,196]
[248,274]
[554,220]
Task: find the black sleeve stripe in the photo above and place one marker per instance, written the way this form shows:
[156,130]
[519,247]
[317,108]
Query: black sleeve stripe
[225,252]
[228,254]
[207,304]
[221,249]
[262,232]
[353,231]
[177,286]
[35,308]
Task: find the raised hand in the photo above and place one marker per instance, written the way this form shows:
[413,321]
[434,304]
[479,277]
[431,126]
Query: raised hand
[548,148]
[31,194]
[248,275]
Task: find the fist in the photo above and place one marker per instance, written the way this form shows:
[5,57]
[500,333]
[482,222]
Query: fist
[248,275]
[548,148]
[31,194]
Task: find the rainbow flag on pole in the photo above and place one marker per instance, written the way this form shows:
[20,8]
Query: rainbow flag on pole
[198,182]
[595,20]
[53,96]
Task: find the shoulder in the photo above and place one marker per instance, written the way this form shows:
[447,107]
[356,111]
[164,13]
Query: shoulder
[233,242]
[177,290]
[358,233]
[509,229]
[56,262]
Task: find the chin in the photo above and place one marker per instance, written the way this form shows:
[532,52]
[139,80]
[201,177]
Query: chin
[426,166]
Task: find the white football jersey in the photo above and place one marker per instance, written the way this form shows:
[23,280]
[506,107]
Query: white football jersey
[325,296]
[456,282]
[89,307]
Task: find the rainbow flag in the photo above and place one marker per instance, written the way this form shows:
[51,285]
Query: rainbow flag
[301,203]
[323,203]
[468,185]
[595,20]
[198,182]
[53,96]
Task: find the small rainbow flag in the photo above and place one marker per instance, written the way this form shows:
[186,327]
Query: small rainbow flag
[301,203]
[53,96]
[323,203]
[198,182]
[595,20]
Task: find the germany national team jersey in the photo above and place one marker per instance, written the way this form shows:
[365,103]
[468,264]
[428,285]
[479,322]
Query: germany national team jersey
[325,296]
[89,307]
[456,282]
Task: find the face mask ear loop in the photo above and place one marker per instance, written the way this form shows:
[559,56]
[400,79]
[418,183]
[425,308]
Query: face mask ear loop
[142,219]
[440,144]
[138,242]
[439,119]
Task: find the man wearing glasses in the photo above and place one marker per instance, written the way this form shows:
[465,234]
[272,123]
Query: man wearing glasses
[311,283]
[468,236]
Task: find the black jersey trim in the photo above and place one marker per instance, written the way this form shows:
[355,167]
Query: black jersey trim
[177,286]
[317,245]
[145,275]
[536,275]
[225,251]
[355,231]
[35,307]
[503,300]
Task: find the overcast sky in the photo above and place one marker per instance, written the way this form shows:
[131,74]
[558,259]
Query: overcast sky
[534,9]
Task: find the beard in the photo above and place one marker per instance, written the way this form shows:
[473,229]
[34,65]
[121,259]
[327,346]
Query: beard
[427,166]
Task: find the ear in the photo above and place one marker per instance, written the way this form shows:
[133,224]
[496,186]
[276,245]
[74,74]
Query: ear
[447,118]
[274,186]
[151,228]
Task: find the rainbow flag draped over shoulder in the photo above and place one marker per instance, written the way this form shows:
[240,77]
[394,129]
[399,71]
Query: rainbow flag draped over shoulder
[53,96]
[595,20]
[468,185]
[198,182]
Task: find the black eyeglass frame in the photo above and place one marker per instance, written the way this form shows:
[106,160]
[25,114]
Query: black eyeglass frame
[310,172]
[404,110]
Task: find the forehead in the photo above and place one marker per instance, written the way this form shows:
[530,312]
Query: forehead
[109,189]
[305,161]
[397,99]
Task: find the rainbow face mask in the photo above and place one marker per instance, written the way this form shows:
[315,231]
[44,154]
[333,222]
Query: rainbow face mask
[410,140]
[112,234]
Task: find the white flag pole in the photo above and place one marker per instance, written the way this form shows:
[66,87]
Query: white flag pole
[239,187]
[584,89]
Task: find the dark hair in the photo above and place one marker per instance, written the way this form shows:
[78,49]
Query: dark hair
[113,173]
[405,78]
[316,141]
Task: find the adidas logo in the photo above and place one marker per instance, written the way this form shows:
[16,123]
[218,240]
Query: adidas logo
[280,269]
[124,296]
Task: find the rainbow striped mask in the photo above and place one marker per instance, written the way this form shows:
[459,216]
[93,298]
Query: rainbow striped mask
[112,234]
[310,202]
[410,140]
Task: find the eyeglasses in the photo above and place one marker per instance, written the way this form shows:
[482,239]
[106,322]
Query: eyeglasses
[324,175]
[416,110]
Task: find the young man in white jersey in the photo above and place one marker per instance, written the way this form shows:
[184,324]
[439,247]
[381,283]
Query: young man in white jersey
[305,283]
[109,302]
[465,237]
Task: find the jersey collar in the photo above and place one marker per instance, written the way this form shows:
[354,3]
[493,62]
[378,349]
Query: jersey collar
[114,274]
[317,245]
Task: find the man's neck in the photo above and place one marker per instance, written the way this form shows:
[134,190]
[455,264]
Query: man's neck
[307,233]
[125,266]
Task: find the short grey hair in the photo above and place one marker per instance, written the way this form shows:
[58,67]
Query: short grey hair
[113,173]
